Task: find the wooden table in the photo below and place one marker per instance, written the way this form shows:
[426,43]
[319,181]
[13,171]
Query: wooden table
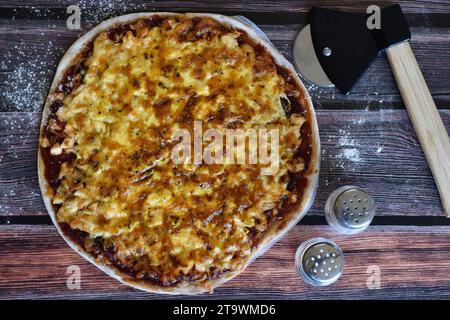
[367,140]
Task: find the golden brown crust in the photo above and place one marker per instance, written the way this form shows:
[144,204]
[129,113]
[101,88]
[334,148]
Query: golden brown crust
[189,29]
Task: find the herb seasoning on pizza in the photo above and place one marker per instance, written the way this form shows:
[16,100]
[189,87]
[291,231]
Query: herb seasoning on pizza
[107,136]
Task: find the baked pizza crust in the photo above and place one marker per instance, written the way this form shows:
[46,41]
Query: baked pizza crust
[275,232]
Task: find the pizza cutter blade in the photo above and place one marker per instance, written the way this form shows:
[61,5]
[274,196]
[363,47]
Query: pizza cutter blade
[306,60]
[337,47]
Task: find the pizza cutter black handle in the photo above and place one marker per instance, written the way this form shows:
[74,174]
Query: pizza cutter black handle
[345,46]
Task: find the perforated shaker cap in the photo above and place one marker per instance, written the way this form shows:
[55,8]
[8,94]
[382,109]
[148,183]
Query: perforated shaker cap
[349,210]
[319,261]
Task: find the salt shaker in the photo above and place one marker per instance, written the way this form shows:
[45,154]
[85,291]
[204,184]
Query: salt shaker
[319,261]
[349,210]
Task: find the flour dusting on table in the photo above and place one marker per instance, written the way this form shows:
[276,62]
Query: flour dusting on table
[347,154]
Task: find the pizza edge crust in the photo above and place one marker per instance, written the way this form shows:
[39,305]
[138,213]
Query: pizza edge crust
[270,237]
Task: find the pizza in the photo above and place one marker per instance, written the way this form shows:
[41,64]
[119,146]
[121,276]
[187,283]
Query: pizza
[106,166]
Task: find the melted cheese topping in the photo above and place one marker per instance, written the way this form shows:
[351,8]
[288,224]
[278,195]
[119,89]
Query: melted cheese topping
[167,221]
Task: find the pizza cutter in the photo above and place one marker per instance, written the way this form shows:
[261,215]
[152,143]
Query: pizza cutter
[336,48]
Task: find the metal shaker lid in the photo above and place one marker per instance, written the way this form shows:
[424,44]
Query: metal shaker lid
[319,262]
[349,209]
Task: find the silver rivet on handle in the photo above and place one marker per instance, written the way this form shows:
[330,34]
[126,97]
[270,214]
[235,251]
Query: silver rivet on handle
[326,52]
[319,261]
[349,210]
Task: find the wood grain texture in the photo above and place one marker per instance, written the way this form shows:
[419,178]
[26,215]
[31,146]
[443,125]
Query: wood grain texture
[377,150]
[424,116]
[34,261]
[261,6]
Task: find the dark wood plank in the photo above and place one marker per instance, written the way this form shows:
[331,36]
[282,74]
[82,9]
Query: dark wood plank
[408,6]
[30,51]
[426,13]
[413,261]
[18,165]
[377,150]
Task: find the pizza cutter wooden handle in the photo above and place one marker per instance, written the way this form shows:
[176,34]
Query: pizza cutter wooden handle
[424,116]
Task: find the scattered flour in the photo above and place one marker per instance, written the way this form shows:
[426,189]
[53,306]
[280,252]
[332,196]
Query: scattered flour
[348,156]
[345,141]
[351,155]
[28,70]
